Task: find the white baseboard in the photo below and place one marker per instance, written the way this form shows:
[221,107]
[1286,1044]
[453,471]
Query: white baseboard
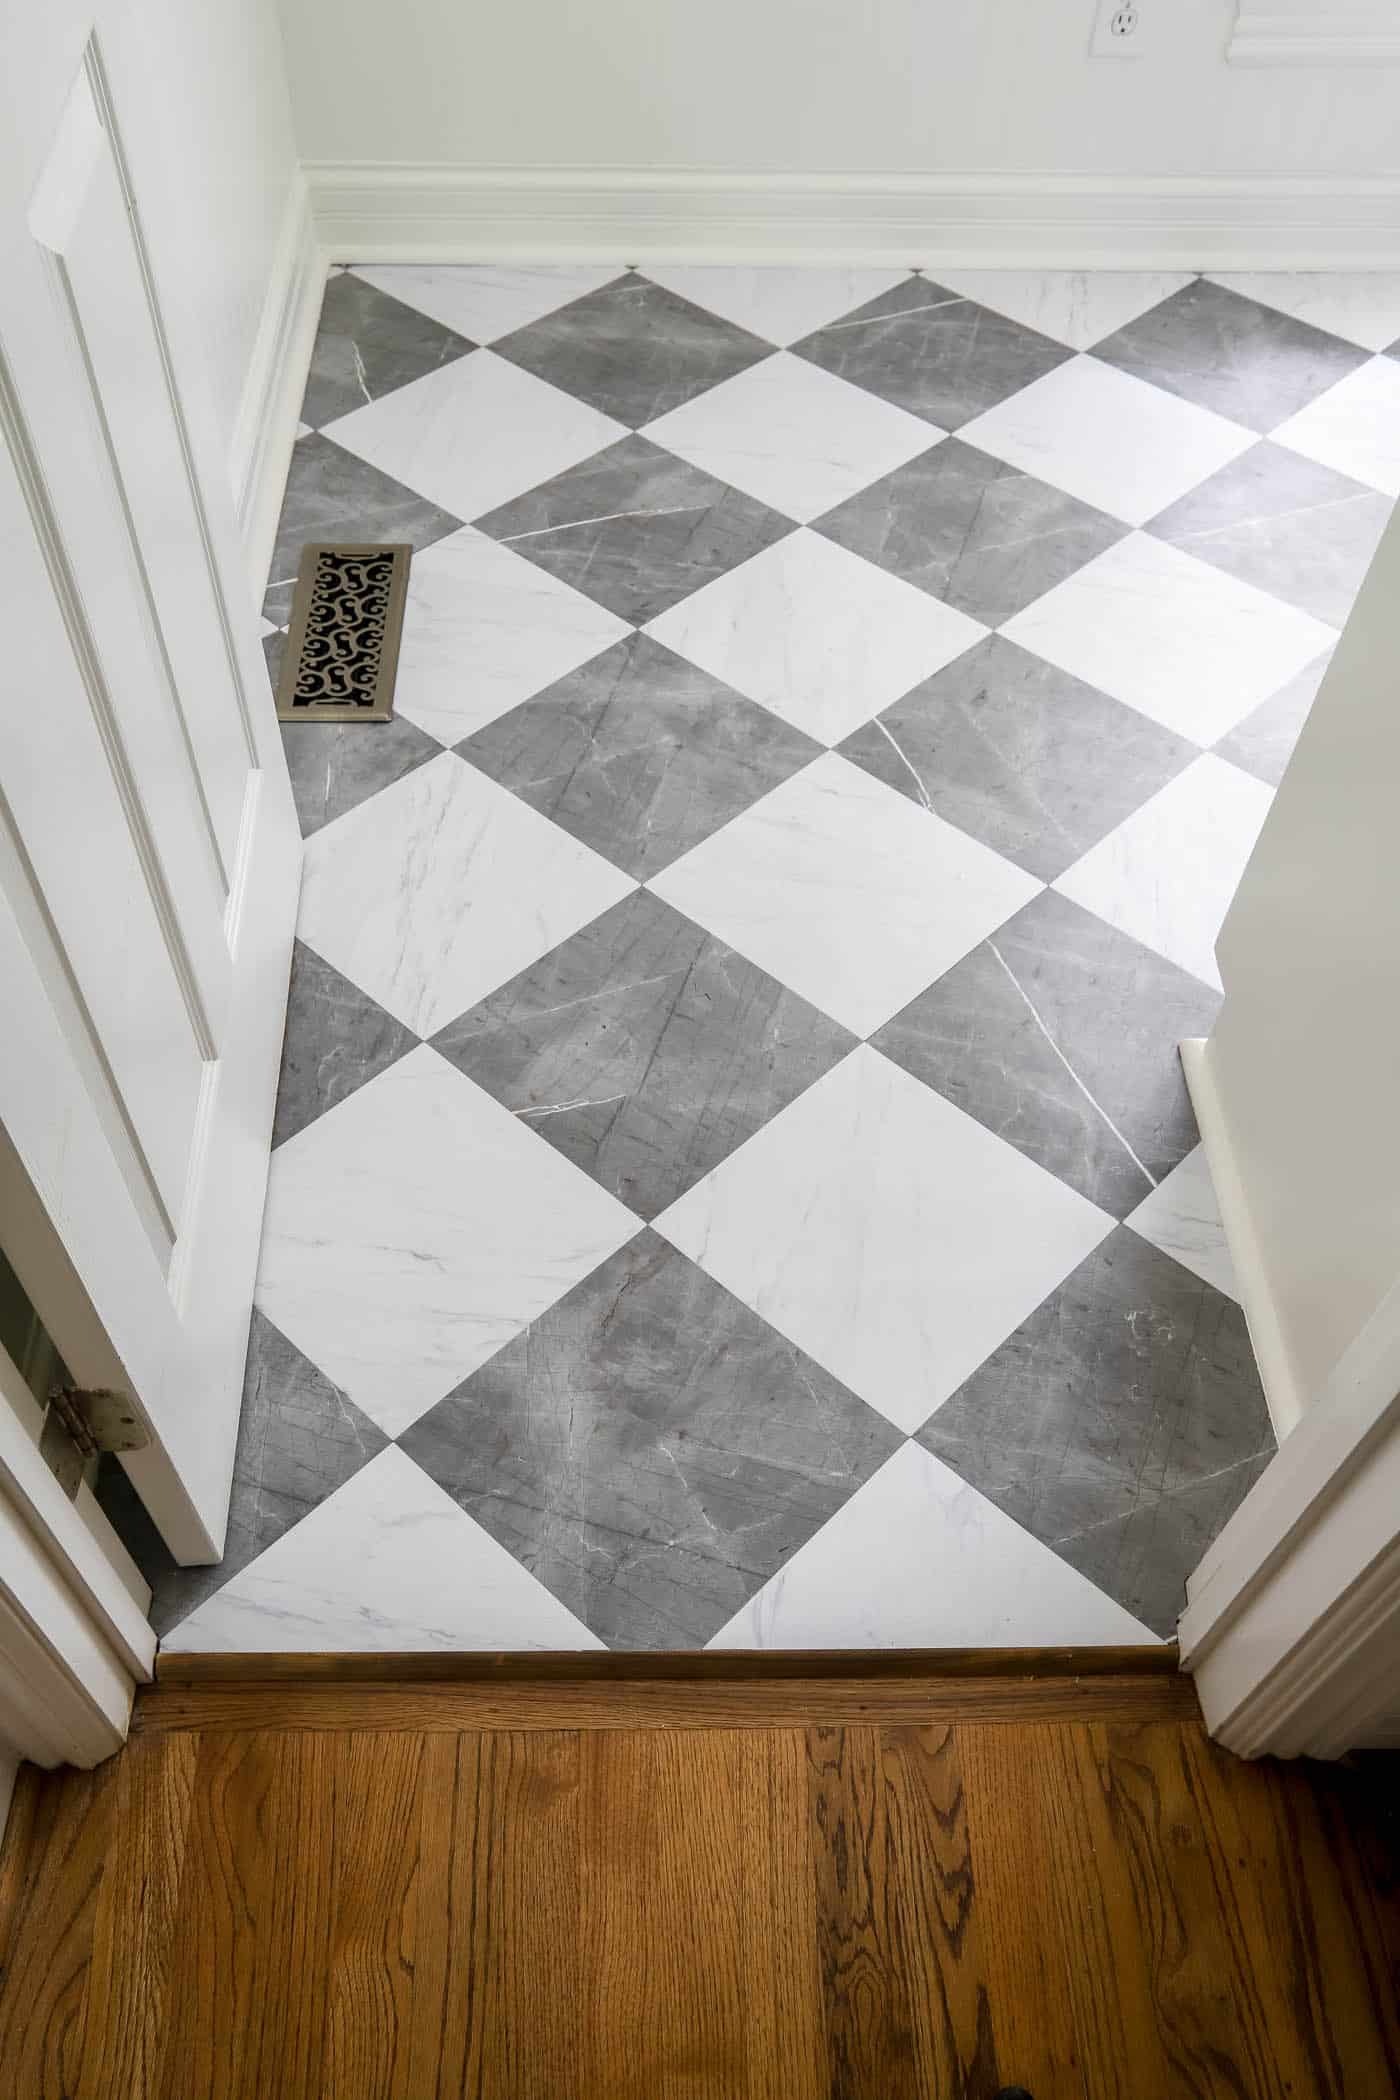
[266,424]
[391,212]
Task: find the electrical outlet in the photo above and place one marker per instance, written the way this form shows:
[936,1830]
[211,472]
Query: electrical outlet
[1118,29]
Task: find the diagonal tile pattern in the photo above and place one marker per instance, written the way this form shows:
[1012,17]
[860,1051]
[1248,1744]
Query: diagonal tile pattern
[722,1194]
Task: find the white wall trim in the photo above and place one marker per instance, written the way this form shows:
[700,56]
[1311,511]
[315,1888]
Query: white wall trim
[393,212]
[265,427]
[1315,33]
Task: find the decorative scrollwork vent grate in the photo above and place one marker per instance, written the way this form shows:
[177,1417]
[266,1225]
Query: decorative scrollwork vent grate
[343,644]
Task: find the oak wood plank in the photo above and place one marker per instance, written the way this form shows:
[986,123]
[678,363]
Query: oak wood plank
[61,1841]
[374,1923]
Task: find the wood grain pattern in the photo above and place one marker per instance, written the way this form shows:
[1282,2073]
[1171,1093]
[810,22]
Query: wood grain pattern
[883,1907]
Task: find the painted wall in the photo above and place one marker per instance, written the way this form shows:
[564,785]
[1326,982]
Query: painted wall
[873,86]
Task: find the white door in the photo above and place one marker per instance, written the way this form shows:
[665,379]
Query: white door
[148,848]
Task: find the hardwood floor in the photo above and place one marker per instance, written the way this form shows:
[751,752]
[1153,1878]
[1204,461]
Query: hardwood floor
[874,1888]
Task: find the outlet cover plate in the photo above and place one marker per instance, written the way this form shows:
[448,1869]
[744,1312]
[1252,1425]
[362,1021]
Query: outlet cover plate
[1107,43]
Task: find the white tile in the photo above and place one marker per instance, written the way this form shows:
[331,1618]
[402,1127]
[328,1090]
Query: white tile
[1110,439]
[434,891]
[846,891]
[1363,306]
[886,1233]
[1181,641]
[485,300]
[777,303]
[387,1562]
[415,1228]
[1182,1217]
[820,636]
[1167,874]
[792,435]
[917,1559]
[474,433]
[1078,307]
[304,430]
[483,630]
[266,627]
[1354,427]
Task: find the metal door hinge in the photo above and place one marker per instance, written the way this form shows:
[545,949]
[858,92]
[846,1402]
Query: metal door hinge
[79,1424]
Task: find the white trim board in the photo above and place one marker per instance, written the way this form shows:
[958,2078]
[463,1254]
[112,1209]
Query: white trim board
[1315,33]
[396,212]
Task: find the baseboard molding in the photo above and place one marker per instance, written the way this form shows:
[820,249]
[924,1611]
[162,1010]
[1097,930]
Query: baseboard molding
[266,424]
[1282,1391]
[391,212]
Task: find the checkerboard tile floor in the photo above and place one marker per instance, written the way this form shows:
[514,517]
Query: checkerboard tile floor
[733,1181]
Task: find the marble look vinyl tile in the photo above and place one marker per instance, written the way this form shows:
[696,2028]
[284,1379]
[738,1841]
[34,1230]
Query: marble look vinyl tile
[792,435]
[483,630]
[336,1038]
[1182,1218]
[777,302]
[816,634]
[486,300]
[632,349]
[1110,439]
[930,351]
[335,766]
[635,528]
[334,495]
[1167,874]
[918,1559]
[1060,1034]
[1187,645]
[415,1229]
[1263,742]
[475,433]
[366,345]
[971,530]
[1230,354]
[639,754]
[1032,762]
[1354,427]
[1285,523]
[650,1450]
[388,1562]
[886,1233]
[1361,306]
[1121,1424]
[644,1050]
[845,892]
[443,886]
[1077,307]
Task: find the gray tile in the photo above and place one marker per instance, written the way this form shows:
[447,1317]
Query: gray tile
[1227,353]
[337,765]
[632,349]
[336,1038]
[1263,742]
[650,1449]
[1028,759]
[941,357]
[636,528]
[644,1050]
[366,345]
[299,1439]
[639,754]
[971,530]
[1060,1034]
[333,495]
[1285,523]
[1122,1424]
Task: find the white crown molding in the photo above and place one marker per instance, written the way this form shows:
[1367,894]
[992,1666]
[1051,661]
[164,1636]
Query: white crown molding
[392,212]
[1315,33]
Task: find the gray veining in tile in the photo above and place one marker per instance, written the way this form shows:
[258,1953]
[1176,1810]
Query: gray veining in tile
[639,754]
[1284,523]
[333,495]
[1227,353]
[1060,1034]
[368,344]
[971,530]
[644,1050]
[650,1449]
[1025,757]
[939,356]
[337,765]
[1263,742]
[632,349]
[337,1037]
[1121,1424]
[636,528]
